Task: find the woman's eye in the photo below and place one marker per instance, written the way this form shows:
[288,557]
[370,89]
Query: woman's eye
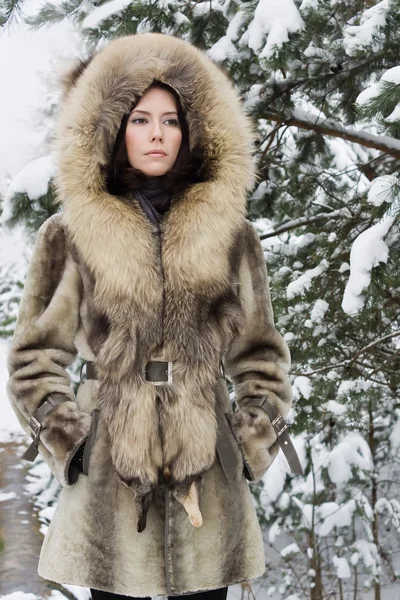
[143,120]
[174,121]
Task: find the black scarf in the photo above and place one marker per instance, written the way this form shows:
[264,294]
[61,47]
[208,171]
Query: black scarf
[153,199]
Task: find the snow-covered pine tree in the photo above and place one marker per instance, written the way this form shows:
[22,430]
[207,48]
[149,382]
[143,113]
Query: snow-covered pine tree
[326,205]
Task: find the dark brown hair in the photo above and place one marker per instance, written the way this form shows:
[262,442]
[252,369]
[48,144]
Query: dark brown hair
[188,168]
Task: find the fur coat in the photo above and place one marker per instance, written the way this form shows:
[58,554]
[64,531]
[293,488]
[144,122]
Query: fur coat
[103,284]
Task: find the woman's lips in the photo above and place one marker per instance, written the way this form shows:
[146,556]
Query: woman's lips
[156,154]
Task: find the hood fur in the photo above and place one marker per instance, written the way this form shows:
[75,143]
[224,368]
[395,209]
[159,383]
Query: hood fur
[203,223]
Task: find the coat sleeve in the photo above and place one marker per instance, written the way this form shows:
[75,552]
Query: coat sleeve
[43,346]
[257,360]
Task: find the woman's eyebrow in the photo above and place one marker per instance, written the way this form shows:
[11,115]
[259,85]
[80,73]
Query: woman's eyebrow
[144,112]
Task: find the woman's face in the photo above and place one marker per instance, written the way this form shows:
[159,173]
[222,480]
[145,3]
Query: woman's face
[153,125]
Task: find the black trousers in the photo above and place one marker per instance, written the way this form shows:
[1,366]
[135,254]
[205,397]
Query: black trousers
[219,594]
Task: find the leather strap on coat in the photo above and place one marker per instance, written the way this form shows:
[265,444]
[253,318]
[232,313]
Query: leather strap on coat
[281,429]
[35,423]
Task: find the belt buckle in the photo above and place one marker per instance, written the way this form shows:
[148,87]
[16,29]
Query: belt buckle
[280,425]
[169,372]
[34,427]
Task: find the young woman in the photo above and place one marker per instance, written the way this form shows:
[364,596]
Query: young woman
[153,274]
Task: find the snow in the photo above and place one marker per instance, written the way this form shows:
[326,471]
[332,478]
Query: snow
[381,189]
[335,407]
[392,75]
[308,4]
[251,99]
[26,59]
[392,507]
[33,180]
[395,436]
[275,477]
[319,310]
[368,250]
[349,386]
[363,136]
[290,549]
[289,336]
[305,239]
[302,387]
[353,451]
[14,255]
[342,567]
[394,115]
[7,496]
[202,9]
[369,94]
[224,48]
[273,531]
[78,592]
[9,425]
[103,12]
[368,553]
[369,33]
[327,516]
[273,19]
[180,18]
[303,283]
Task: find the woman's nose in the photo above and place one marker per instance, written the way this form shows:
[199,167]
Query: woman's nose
[156,132]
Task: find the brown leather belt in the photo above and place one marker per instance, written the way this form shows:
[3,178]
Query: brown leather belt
[281,429]
[35,423]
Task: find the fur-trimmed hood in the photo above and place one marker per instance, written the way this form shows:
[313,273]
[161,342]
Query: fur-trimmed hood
[97,95]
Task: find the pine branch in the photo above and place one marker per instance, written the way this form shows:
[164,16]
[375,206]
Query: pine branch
[319,124]
[9,11]
[348,361]
[294,223]
[376,342]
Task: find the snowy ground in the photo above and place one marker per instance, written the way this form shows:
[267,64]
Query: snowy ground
[10,429]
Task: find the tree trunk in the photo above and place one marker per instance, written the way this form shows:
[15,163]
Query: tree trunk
[374,493]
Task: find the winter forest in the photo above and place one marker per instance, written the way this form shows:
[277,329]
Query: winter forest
[321,79]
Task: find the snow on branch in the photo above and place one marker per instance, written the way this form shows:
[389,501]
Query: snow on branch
[368,250]
[293,223]
[319,123]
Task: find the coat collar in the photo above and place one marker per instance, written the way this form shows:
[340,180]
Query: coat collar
[116,240]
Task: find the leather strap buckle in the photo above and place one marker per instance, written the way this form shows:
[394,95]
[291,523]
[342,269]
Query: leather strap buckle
[35,424]
[281,429]
[34,427]
[280,425]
